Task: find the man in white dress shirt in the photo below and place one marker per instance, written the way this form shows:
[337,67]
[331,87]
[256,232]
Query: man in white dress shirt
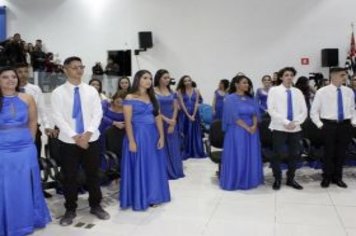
[333,111]
[22,70]
[77,113]
[287,108]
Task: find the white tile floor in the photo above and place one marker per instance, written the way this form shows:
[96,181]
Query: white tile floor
[199,207]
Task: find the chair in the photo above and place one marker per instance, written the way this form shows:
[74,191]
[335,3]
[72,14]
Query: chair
[113,143]
[313,141]
[206,116]
[216,140]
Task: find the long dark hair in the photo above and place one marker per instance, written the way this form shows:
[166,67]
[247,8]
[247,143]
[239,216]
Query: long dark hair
[150,91]
[100,84]
[118,83]
[158,77]
[238,79]
[181,86]
[17,89]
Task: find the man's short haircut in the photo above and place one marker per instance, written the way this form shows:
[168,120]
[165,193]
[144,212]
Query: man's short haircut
[71,59]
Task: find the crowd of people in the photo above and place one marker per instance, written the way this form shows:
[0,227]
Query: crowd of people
[16,50]
[158,128]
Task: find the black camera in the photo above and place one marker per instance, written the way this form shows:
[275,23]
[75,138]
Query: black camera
[172,81]
[318,79]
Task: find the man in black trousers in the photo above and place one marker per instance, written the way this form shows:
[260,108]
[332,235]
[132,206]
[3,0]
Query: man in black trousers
[288,110]
[77,113]
[333,111]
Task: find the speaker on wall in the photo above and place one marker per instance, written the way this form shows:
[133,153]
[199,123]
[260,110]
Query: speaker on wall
[122,61]
[329,57]
[145,39]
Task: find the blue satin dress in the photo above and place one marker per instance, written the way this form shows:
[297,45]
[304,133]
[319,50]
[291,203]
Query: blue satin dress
[191,131]
[172,140]
[144,179]
[241,163]
[22,205]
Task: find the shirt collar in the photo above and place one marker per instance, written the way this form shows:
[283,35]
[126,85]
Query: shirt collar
[334,87]
[285,88]
[72,86]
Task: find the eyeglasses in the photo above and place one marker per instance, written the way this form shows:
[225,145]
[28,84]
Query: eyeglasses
[76,67]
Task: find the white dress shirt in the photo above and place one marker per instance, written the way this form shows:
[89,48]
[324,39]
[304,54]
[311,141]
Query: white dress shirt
[62,106]
[325,105]
[37,94]
[277,103]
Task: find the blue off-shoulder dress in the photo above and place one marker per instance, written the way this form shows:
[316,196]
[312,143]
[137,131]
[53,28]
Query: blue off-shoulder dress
[144,179]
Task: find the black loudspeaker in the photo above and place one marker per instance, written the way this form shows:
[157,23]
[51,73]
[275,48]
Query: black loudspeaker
[145,39]
[329,57]
[122,59]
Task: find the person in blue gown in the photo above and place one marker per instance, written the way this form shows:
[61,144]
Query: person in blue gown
[22,204]
[144,180]
[189,119]
[169,110]
[262,94]
[241,166]
[218,100]
[113,116]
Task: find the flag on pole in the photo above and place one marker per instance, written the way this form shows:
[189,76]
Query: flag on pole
[350,63]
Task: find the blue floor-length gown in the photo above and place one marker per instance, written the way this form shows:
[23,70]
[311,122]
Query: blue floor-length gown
[144,179]
[172,140]
[22,205]
[219,105]
[241,166]
[191,131]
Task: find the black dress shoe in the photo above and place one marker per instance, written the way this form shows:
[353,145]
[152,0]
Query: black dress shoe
[325,183]
[276,184]
[292,183]
[67,219]
[100,213]
[340,183]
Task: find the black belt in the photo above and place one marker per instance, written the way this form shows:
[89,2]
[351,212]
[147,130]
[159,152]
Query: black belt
[336,122]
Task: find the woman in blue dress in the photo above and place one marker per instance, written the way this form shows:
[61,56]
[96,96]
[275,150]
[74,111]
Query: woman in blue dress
[22,204]
[169,110]
[189,119]
[262,93]
[144,180]
[241,166]
[218,100]
[113,116]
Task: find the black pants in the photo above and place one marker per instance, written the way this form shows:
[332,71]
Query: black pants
[38,142]
[286,146]
[336,137]
[73,158]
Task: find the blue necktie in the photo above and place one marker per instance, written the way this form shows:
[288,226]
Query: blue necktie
[77,112]
[289,105]
[340,108]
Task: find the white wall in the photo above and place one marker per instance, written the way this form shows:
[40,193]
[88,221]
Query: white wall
[209,40]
